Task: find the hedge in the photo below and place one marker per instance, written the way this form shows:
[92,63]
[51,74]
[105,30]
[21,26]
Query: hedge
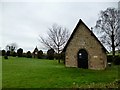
[116,59]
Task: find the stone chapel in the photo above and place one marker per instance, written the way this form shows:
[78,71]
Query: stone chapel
[84,50]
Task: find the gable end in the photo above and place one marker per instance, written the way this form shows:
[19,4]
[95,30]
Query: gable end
[92,34]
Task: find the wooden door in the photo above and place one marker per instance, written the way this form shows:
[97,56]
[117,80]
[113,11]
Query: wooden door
[82,59]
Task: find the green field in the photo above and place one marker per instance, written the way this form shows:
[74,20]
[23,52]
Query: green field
[40,73]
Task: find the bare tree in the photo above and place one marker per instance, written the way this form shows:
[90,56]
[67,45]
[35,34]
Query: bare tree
[108,28]
[11,47]
[119,24]
[57,38]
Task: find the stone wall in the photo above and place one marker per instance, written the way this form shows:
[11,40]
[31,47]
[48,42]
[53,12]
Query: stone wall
[83,39]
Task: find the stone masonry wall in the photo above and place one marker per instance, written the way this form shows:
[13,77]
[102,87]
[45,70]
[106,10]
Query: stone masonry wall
[82,39]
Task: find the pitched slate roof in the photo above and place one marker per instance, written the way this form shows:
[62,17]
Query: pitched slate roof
[80,21]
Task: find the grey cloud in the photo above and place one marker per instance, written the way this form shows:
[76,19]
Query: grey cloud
[23,22]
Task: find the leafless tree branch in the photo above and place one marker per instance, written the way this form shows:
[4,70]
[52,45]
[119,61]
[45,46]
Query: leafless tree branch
[57,38]
[108,26]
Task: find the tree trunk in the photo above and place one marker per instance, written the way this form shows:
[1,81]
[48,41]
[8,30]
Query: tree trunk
[113,47]
[113,53]
[58,56]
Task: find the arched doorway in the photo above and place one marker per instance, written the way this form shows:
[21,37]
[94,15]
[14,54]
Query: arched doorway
[82,58]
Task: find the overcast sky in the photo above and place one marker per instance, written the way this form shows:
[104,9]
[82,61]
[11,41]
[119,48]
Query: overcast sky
[22,22]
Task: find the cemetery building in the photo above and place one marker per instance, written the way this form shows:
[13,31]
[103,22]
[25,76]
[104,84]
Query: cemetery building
[35,52]
[84,50]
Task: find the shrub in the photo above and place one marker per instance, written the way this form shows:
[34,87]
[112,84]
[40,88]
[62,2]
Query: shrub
[14,54]
[5,56]
[29,55]
[50,54]
[24,55]
[3,52]
[8,53]
[117,60]
[40,54]
[57,56]
[62,57]
[44,56]
[20,52]
[109,58]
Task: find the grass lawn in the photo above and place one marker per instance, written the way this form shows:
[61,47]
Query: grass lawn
[40,73]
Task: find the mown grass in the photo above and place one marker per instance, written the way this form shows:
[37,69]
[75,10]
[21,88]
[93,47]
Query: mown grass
[0,72]
[40,73]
